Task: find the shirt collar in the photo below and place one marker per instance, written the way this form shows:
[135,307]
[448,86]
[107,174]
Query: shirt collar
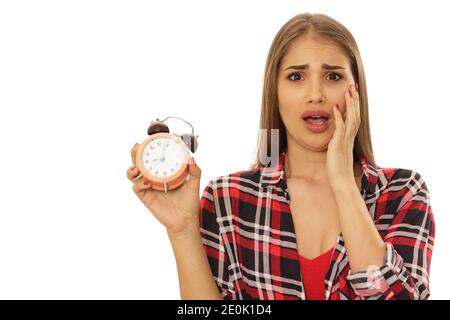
[274,174]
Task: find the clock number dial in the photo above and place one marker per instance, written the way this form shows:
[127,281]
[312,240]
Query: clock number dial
[162,157]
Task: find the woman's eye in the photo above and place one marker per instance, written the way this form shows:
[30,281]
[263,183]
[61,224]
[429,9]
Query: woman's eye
[336,75]
[294,76]
[290,77]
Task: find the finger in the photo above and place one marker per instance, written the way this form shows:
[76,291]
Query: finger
[350,119]
[140,186]
[354,99]
[343,109]
[354,90]
[357,105]
[134,152]
[338,121]
[194,170]
[353,128]
[132,173]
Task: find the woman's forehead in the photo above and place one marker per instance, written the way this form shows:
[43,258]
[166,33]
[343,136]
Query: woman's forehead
[309,51]
[313,42]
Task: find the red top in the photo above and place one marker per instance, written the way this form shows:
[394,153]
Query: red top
[313,274]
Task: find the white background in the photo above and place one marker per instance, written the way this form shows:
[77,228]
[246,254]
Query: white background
[81,80]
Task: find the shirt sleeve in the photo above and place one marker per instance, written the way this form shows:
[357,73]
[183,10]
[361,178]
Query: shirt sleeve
[213,243]
[409,244]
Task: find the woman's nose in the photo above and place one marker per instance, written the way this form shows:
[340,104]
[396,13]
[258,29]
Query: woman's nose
[315,94]
[315,97]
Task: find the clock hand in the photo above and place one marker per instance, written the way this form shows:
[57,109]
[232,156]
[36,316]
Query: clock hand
[156,164]
[164,152]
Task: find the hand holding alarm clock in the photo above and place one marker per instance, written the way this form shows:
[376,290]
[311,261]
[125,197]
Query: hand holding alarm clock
[163,157]
[165,178]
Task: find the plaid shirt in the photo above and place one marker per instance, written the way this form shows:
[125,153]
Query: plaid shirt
[248,235]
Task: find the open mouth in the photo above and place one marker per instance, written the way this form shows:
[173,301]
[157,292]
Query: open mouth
[317,124]
[316,120]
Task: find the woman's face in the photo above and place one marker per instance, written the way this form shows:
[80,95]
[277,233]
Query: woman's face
[316,86]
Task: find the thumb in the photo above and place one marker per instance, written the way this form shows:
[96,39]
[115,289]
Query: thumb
[194,170]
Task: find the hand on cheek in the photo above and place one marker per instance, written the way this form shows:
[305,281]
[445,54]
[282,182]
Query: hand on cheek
[343,106]
[340,147]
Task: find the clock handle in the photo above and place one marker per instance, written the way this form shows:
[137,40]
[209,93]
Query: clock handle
[189,139]
[192,128]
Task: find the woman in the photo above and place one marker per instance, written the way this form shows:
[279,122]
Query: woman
[321,220]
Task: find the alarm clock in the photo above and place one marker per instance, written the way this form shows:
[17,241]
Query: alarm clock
[163,157]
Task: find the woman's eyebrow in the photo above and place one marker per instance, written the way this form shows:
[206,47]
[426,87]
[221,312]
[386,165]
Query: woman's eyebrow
[306,66]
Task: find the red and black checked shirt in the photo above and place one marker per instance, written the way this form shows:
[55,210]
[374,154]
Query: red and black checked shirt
[248,235]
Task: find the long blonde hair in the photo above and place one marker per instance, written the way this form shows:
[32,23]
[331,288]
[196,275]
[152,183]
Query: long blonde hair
[325,28]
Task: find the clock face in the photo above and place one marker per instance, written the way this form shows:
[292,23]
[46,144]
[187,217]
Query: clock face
[162,157]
